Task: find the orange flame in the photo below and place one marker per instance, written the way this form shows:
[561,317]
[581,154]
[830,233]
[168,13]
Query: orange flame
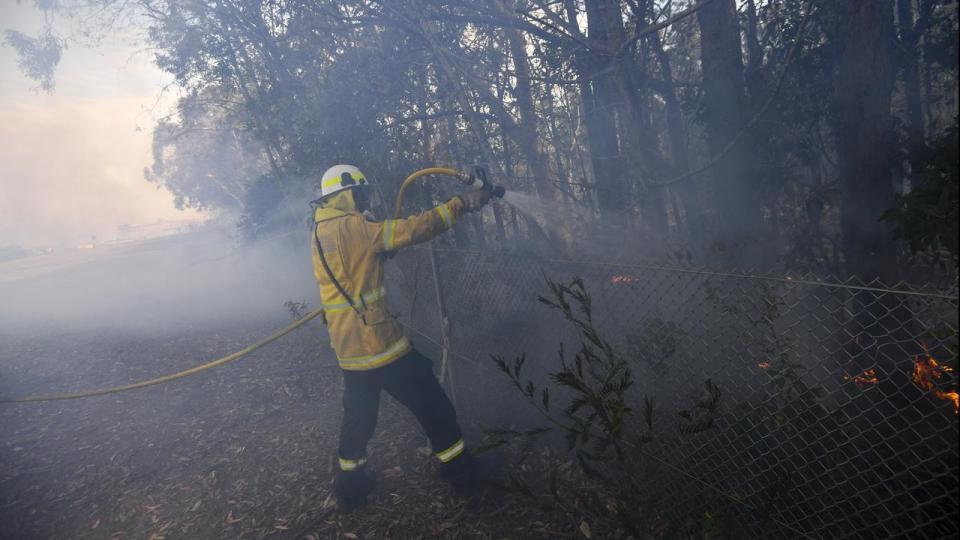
[953,397]
[864,379]
[927,372]
[622,279]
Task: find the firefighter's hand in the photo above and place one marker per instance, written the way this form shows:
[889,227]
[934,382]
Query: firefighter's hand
[475,199]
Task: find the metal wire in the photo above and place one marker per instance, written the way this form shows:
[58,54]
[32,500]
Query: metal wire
[475,363]
[839,388]
[740,275]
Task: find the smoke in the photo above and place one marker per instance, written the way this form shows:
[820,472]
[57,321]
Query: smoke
[184,281]
[579,232]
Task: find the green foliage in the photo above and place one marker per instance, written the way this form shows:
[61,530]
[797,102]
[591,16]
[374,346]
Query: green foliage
[207,156]
[597,377]
[287,88]
[588,399]
[926,217]
[260,206]
[38,57]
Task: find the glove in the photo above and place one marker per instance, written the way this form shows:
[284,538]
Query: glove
[475,199]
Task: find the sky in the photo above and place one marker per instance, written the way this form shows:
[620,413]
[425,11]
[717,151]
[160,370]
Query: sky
[71,162]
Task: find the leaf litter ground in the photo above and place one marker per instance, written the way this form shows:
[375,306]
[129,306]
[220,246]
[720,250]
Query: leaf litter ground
[243,451]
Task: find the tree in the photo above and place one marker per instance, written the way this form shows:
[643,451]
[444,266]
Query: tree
[659,116]
[863,84]
[738,218]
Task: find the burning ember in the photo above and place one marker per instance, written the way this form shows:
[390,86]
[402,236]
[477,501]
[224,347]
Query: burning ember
[622,279]
[864,379]
[927,372]
[764,365]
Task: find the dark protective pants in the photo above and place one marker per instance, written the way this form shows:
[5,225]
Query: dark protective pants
[410,380]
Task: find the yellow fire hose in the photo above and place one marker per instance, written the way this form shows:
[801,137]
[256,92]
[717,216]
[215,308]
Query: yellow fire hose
[424,172]
[243,352]
[180,374]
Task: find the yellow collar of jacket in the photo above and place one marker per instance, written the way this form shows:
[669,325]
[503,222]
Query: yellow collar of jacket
[339,204]
[323,214]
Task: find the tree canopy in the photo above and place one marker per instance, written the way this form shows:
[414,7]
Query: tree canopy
[760,132]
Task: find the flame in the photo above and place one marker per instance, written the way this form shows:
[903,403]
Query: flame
[953,397]
[864,379]
[764,365]
[622,279]
[927,372]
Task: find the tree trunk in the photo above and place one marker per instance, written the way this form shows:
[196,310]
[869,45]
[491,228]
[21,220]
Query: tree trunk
[679,158]
[910,40]
[528,126]
[754,54]
[881,325]
[602,104]
[736,237]
[508,169]
[921,27]
[640,141]
[675,131]
[461,238]
[863,83]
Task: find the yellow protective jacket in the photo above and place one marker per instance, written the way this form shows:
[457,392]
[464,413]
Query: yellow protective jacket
[367,336]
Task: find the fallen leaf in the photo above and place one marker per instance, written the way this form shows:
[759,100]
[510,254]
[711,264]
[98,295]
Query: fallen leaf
[230,519]
[585,529]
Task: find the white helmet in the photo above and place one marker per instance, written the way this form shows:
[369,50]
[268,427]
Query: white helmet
[340,177]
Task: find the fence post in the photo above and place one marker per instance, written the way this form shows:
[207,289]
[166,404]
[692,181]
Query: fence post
[444,327]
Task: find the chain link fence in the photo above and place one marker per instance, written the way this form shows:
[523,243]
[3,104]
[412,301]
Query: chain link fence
[837,415]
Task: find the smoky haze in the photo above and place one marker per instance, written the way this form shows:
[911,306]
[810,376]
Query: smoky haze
[726,258]
[189,280]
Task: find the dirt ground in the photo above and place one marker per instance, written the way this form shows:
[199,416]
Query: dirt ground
[242,451]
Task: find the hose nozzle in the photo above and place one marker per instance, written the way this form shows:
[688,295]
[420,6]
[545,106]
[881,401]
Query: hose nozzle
[477,179]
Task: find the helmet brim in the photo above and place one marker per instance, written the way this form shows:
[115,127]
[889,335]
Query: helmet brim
[341,190]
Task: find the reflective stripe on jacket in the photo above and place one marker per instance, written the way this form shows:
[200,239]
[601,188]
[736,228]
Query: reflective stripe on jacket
[366,336]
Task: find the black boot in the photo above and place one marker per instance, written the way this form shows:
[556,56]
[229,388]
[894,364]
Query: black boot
[352,487]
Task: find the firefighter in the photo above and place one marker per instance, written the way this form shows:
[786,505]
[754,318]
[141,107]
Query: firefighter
[349,250]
